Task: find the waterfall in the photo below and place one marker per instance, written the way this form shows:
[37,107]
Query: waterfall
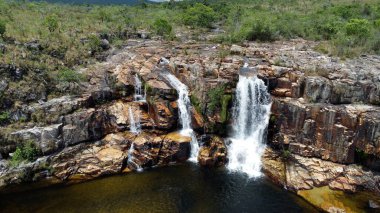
[131,158]
[139,92]
[135,125]
[251,117]
[184,113]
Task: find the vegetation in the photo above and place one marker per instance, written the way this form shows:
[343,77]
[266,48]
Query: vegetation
[4,117]
[216,97]
[2,28]
[162,27]
[48,41]
[199,15]
[68,75]
[26,152]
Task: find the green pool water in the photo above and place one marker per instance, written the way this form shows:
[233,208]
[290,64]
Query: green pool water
[180,188]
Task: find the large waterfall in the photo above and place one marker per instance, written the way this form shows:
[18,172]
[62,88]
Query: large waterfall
[184,113]
[251,118]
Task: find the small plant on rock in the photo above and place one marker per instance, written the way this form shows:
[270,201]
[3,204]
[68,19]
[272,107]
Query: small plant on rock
[26,152]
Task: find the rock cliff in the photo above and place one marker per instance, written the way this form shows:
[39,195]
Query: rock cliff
[324,128]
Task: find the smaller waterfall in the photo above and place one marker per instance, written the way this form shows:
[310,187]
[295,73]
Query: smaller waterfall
[184,113]
[139,91]
[131,158]
[135,125]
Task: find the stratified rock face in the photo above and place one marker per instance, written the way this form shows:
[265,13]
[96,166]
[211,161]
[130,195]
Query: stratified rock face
[107,156]
[329,132]
[213,151]
[303,173]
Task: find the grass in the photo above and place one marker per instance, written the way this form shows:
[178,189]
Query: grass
[70,36]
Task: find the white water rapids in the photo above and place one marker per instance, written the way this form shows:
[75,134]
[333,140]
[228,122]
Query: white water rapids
[251,118]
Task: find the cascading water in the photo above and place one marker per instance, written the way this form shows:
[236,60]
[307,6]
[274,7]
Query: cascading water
[135,125]
[139,92]
[251,118]
[184,113]
[131,158]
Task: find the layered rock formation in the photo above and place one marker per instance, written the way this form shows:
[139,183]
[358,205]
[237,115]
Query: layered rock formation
[324,128]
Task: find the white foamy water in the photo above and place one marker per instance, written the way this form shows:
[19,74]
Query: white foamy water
[139,91]
[184,113]
[251,117]
[131,158]
[134,123]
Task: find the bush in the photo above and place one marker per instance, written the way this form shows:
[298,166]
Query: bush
[215,95]
[358,27]
[162,27]
[2,28]
[94,43]
[26,152]
[199,15]
[261,31]
[328,28]
[68,75]
[51,22]
[4,117]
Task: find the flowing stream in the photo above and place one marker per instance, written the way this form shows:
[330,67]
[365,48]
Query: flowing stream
[251,117]
[184,113]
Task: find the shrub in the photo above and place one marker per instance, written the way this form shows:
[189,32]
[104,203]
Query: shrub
[94,43]
[68,75]
[199,15]
[4,117]
[215,95]
[358,27]
[328,28]
[261,31]
[26,152]
[162,27]
[51,22]
[2,28]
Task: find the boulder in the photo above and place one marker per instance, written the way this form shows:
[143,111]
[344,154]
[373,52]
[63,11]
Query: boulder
[213,151]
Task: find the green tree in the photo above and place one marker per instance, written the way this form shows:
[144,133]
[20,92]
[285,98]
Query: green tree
[162,27]
[262,31]
[199,15]
[358,27]
[51,22]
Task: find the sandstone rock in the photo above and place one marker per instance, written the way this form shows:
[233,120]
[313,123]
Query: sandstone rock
[323,130]
[47,139]
[175,148]
[303,173]
[213,151]
[235,49]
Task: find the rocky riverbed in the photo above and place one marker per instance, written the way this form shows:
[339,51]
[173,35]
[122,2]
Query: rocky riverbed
[324,128]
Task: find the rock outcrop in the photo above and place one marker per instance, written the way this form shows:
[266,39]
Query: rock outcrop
[324,129]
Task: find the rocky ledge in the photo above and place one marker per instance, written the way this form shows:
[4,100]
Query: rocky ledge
[324,128]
